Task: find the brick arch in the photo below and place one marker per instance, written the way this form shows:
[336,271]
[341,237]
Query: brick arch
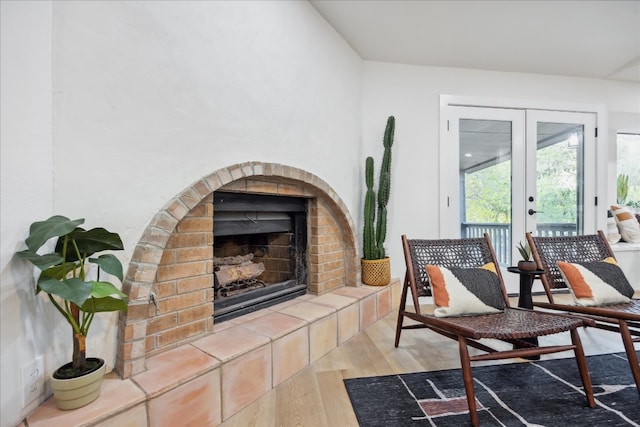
[147,278]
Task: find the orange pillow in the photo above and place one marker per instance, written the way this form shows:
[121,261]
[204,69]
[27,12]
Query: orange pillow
[596,283]
[465,291]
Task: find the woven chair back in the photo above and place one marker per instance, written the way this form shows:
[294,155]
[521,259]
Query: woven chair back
[466,253]
[592,247]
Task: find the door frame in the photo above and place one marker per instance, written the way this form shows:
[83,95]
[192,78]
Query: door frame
[447,228]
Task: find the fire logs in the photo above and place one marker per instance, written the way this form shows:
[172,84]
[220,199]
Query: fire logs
[236,273]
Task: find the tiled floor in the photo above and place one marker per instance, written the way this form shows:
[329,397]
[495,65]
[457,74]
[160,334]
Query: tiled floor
[209,380]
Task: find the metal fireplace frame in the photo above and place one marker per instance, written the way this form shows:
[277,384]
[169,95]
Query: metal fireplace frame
[249,214]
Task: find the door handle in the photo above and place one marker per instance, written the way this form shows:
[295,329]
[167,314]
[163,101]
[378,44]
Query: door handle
[531,212]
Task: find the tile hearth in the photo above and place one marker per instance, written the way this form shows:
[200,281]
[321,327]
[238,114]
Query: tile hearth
[211,379]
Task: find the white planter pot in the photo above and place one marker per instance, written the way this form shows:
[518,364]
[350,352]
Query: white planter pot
[77,392]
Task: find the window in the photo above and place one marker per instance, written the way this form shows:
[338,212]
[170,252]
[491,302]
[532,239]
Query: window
[628,165]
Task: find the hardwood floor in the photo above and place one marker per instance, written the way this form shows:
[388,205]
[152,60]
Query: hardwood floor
[316,396]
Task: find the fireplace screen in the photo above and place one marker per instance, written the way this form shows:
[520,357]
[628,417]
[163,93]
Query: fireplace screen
[259,251]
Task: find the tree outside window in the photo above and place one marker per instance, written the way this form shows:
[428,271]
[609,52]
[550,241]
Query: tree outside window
[628,153]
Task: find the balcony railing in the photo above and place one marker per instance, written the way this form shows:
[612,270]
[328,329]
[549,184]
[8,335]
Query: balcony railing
[501,235]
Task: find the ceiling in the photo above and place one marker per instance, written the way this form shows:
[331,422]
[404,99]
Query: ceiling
[593,39]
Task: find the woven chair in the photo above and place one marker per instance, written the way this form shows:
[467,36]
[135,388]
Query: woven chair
[621,318]
[513,325]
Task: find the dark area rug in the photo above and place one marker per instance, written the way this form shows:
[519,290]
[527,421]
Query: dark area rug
[542,393]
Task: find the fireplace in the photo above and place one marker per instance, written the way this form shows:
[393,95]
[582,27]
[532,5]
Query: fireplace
[170,280]
[259,251]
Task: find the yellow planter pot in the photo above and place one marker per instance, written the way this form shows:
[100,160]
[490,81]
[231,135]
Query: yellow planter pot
[77,392]
[376,272]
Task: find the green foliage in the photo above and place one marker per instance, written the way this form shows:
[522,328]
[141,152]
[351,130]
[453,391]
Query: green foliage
[622,188]
[488,191]
[488,194]
[628,163]
[525,251]
[557,184]
[64,273]
[374,238]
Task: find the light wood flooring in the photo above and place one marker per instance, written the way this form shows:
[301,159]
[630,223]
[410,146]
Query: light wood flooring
[316,397]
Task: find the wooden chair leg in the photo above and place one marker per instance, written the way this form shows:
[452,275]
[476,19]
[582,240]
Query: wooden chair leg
[583,368]
[467,376]
[403,305]
[627,339]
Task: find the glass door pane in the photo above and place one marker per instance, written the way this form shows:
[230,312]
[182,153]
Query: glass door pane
[487,147]
[559,179]
[485,182]
[560,148]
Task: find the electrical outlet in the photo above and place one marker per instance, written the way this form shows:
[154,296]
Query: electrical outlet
[32,380]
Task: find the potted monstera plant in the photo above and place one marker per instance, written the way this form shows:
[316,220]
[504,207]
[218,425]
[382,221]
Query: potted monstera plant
[71,278]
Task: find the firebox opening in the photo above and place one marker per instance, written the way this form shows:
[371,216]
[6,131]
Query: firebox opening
[259,252]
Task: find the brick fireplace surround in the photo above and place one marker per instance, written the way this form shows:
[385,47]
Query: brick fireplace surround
[174,364]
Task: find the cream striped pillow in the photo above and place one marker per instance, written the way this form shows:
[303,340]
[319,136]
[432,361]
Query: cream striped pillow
[627,224]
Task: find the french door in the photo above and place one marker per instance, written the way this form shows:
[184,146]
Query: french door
[561,173]
[508,171]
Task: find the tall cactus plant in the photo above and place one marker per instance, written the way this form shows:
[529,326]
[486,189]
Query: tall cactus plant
[374,238]
[369,239]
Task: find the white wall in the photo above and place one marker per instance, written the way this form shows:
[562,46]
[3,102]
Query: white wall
[412,94]
[26,187]
[147,98]
[151,96]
